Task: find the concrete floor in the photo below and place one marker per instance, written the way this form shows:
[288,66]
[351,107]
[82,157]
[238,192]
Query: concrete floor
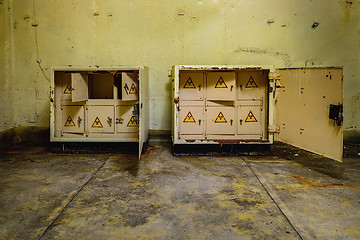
[289,194]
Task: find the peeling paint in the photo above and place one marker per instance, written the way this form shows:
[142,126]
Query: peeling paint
[284,56]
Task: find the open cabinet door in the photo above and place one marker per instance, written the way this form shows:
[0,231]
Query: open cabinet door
[79,85]
[308,110]
[143,108]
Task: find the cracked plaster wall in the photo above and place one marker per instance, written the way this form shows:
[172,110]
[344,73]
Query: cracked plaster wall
[36,35]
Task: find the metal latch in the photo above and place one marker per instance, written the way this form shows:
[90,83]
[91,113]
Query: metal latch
[119,120]
[336,113]
[126,88]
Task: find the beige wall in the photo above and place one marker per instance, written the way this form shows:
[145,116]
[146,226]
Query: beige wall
[162,33]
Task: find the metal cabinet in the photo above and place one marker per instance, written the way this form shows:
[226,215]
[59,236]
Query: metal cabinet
[98,104]
[219,97]
[255,104]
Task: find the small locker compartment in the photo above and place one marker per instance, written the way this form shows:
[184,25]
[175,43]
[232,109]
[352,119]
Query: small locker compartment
[252,84]
[73,119]
[127,119]
[101,85]
[191,122]
[221,86]
[129,86]
[191,86]
[250,120]
[101,119]
[220,121]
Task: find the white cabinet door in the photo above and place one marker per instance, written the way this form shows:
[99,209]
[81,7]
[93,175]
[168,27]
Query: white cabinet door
[191,86]
[221,86]
[73,120]
[101,119]
[79,84]
[302,110]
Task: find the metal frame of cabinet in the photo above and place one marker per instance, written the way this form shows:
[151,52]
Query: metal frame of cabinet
[99,104]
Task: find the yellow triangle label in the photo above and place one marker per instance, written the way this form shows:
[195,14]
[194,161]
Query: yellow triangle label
[220,118]
[251,83]
[189,118]
[133,89]
[250,117]
[132,122]
[189,84]
[97,123]
[220,83]
[69,122]
[68,89]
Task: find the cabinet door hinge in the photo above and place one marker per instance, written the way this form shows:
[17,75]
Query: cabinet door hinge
[273,129]
[274,76]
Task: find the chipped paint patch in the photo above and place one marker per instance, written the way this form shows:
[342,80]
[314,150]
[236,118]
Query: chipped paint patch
[312,184]
[284,56]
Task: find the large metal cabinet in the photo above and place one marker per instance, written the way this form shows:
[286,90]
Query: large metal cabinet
[99,105]
[256,104]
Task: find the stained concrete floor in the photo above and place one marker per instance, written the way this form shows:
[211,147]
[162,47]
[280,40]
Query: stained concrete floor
[288,194]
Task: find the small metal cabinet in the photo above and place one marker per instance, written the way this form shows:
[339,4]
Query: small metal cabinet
[254,104]
[98,104]
[211,104]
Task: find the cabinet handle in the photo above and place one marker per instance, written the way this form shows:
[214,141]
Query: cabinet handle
[79,121]
[241,121]
[199,121]
[126,88]
[231,87]
[231,121]
[199,87]
[119,120]
[110,120]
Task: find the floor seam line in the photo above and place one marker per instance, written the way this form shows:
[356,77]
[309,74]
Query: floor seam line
[271,197]
[68,203]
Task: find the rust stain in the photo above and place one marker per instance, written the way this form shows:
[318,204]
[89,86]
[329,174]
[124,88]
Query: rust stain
[310,183]
[26,149]
[150,151]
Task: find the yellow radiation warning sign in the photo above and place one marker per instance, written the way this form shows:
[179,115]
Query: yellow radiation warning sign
[68,89]
[189,83]
[189,118]
[250,117]
[69,122]
[220,118]
[220,83]
[133,89]
[251,83]
[132,122]
[97,123]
